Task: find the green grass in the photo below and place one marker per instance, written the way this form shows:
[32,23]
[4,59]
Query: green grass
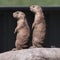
[29,2]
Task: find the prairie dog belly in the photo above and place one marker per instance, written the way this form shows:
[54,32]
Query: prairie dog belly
[39,33]
[24,32]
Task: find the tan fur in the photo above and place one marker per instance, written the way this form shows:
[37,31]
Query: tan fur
[39,26]
[22,29]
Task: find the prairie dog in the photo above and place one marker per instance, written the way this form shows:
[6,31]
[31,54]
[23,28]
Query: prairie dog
[22,29]
[38,26]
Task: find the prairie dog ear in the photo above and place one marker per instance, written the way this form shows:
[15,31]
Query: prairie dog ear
[33,6]
[17,12]
[23,14]
[38,8]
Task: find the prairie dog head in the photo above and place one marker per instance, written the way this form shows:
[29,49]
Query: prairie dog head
[35,8]
[19,15]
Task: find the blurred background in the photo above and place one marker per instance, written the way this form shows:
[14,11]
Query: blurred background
[29,2]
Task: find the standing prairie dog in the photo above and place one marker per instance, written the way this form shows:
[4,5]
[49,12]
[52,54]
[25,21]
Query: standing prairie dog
[22,29]
[39,26]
